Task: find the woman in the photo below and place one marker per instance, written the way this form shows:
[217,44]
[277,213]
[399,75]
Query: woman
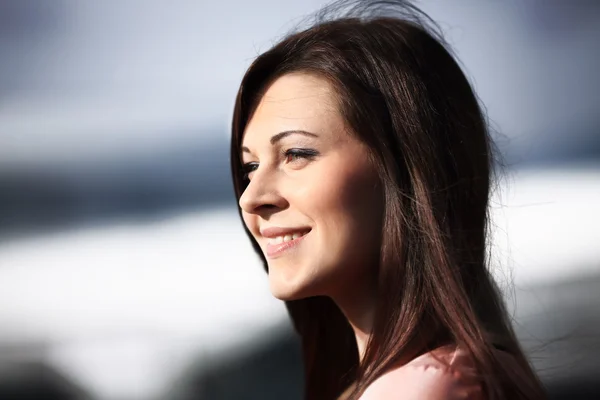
[362,165]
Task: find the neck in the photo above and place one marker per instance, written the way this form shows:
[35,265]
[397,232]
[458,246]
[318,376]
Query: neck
[359,309]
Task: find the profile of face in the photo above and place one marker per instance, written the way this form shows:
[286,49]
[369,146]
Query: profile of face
[313,201]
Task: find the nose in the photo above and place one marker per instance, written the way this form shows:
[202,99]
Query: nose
[261,195]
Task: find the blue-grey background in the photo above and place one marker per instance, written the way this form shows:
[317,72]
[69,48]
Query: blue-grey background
[124,270]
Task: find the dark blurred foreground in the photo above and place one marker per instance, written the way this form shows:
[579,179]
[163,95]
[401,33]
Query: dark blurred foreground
[561,341]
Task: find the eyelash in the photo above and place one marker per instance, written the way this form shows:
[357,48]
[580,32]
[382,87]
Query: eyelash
[307,154]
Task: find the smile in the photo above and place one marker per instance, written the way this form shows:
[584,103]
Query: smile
[278,245]
[286,238]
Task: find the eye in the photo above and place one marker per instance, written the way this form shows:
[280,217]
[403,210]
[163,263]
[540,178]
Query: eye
[293,155]
[247,170]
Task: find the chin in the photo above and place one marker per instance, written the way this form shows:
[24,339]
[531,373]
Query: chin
[286,293]
[300,282]
[289,291]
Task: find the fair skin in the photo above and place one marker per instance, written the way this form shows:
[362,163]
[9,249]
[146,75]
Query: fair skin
[313,202]
[311,180]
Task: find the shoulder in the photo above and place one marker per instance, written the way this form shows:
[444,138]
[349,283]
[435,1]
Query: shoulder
[446,373]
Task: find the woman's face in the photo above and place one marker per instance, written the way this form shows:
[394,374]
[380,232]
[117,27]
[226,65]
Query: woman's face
[313,202]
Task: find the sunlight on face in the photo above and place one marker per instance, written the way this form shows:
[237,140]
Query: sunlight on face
[313,201]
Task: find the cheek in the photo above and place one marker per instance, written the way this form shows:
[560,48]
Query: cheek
[246,219]
[250,222]
[347,209]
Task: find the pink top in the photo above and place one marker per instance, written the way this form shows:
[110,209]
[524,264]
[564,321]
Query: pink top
[428,378]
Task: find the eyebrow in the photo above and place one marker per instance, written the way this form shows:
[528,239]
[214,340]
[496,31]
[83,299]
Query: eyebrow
[276,138]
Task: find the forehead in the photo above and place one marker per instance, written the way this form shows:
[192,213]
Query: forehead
[295,101]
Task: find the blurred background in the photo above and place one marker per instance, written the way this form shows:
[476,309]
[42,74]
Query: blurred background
[124,270]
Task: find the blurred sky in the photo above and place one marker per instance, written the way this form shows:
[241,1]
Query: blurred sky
[82,79]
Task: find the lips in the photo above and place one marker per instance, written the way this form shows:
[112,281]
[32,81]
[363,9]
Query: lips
[276,250]
[283,240]
[276,231]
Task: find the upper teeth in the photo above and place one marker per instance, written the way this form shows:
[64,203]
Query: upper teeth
[285,238]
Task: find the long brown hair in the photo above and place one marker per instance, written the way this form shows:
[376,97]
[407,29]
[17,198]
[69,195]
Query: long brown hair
[402,93]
